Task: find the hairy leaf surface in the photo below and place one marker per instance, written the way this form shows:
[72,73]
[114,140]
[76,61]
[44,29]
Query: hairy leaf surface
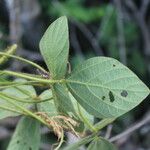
[105,87]
[54,47]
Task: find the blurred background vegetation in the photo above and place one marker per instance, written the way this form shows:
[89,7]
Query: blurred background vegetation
[113,28]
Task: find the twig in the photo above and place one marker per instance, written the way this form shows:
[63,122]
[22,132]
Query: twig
[14,19]
[89,35]
[140,18]
[108,131]
[75,42]
[144,6]
[131,129]
[120,27]
[104,23]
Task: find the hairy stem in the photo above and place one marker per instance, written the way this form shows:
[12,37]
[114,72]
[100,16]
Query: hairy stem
[24,110]
[26,101]
[25,76]
[85,120]
[103,123]
[23,60]
[12,110]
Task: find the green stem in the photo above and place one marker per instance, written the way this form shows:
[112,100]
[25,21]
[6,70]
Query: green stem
[81,142]
[23,60]
[9,50]
[13,84]
[103,123]
[12,110]
[24,91]
[26,111]
[26,101]
[85,120]
[21,75]
[61,141]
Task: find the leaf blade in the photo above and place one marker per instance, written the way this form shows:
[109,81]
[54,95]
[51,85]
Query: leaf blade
[93,84]
[62,99]
[54,47]
[26,136]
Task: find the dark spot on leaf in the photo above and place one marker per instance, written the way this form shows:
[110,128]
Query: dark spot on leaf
[114,65]
[124,93]
[111,96]
[18,142]
[103,97]
[30,148]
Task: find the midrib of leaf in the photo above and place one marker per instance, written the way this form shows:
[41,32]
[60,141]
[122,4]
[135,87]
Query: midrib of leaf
[89,84]
[98,85]
[98,98]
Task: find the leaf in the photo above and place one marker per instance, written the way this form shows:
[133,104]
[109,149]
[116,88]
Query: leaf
[89,117]
[54,47]
[26,136]
[101,144]
[48,106]
[21,92]
[62,99]
[105,87]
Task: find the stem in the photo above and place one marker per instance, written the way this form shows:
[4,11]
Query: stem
[27,93]
[13,84]
[24,60]
[5,82]
[85,120]
[61,141]
[26,101]
[9,50]
[31,77]
[81,142]
[12,110]
[103,123]
[26,111]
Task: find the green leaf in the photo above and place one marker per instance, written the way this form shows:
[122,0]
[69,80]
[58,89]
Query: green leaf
[48,106]
[86,115]
[101,144]
[54,47]
[26,136]
[62,99]
[105,87]
[22,92]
